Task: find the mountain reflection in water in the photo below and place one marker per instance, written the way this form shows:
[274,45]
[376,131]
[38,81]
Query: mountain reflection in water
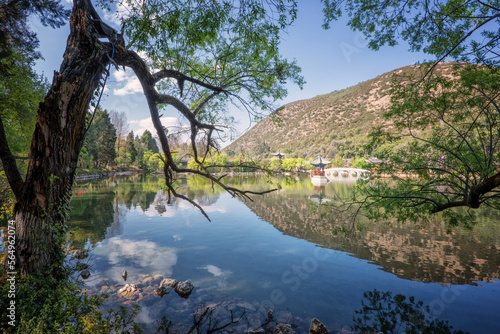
[429,253]
[129,224]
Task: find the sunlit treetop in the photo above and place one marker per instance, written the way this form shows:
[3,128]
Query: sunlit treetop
[231,45]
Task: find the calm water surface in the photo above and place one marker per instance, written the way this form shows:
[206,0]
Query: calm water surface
[277,252]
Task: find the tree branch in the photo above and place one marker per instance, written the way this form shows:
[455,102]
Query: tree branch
[148,81]
[459,43]
[9,164]
[163,74]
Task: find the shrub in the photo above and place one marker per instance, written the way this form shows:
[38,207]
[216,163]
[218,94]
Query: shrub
[45,304]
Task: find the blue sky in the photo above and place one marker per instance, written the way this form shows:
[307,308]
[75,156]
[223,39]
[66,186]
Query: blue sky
[330,60]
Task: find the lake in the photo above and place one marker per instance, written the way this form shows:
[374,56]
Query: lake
[281,251]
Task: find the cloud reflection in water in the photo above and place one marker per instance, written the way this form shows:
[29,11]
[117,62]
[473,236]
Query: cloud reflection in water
[138,257]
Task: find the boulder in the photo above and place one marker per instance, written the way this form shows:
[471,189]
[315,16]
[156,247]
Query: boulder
[161,291]
[184,289]
[80,254]
[283,329]
[317,327]
[129,288]
[85,274]
[169,282]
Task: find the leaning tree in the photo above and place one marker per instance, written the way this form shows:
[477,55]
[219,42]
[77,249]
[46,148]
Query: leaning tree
[192,56]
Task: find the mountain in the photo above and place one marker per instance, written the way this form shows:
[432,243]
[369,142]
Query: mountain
[328,124]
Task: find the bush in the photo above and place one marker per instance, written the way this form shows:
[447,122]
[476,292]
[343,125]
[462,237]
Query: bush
[44,304]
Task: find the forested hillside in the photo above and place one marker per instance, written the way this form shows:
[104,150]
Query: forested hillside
[332,124]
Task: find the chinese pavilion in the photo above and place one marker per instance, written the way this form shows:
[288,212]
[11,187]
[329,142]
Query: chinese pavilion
[319,166]
[318,177]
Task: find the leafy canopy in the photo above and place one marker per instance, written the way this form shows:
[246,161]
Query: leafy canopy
[225,44]
[445,126]
[20,94]
[463,30]
[446,132]
[15,31]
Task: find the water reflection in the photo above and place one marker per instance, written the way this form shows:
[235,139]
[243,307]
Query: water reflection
[99,207]
[137,257]
[239,259]
[430,253]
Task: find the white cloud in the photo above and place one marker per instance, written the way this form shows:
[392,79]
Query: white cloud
[216,271]
[214,208]
[132,85]
[120,76]
[123,11]
[139,126]
[220,275]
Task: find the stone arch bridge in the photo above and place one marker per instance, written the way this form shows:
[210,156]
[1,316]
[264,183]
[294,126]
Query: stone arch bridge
[344,173]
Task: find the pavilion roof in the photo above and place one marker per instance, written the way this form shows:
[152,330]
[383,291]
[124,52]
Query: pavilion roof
[320,161]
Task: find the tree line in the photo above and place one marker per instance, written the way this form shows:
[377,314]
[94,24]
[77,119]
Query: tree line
[107,144]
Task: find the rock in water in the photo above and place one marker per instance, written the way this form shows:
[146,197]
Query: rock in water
[85,274]
[184,289]
[124,275]
[80,254]
[317,327]
[283,329]
[161,291]
[169,282]
[129,288]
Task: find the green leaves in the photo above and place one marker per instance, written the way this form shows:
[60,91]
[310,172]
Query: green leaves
[101,138]
[20,93]
[462,30]
[223,44]
[446,144]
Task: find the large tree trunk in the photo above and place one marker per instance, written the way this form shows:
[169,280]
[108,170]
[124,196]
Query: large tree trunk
[56,143]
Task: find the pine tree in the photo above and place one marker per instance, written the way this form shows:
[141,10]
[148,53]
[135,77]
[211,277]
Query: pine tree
[130,149]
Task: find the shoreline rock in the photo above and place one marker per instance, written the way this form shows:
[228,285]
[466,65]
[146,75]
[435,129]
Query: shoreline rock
[317,327]
[184,289]
[129,288]
[169,282]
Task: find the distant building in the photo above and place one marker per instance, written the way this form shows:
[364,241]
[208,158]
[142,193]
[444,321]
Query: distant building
[278,155]
[375,160]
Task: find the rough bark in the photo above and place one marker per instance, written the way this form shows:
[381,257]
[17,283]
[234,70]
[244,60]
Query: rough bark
[9,164]
[56,142]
